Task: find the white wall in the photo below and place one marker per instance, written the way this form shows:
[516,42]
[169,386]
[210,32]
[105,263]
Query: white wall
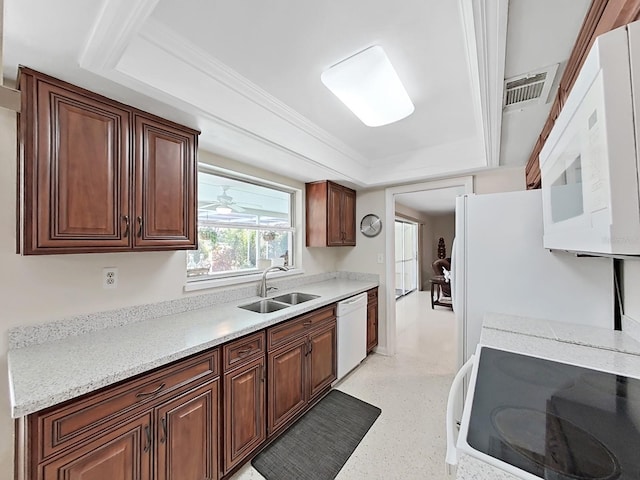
[37,289]
[631,288]
[364,257]
[502,179]
[442,226]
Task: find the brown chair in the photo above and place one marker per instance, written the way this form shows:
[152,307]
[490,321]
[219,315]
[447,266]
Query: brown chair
[440,286]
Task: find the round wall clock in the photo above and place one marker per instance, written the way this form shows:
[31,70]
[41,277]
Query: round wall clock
[371,225]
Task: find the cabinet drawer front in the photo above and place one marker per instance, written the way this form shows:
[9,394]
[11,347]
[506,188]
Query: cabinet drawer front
[243,350]
[125,450]
[61,427]
[300,326]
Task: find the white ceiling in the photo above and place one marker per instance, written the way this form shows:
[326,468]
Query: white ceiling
[247,74]
[432,202]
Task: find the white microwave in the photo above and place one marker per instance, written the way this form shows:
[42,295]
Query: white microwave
[590,162]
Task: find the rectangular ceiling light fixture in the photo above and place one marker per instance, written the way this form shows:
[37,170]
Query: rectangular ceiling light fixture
[369,86]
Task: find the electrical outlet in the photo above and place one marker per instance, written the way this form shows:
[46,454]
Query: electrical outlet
[380,258]
[109,277]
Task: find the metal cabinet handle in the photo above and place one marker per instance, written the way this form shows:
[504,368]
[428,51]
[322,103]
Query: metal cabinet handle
[125,218]
[140,223]
[305,345]
[146,394]
[262,373]
[310,346]
[307,324]
[147,431]
[163,437]
[244,352]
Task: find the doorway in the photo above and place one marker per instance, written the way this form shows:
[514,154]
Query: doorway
[461,185]
[406,257]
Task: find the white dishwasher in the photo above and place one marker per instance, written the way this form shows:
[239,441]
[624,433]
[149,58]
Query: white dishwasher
[352,333]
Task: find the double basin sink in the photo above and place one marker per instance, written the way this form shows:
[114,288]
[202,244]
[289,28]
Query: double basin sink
[274,304]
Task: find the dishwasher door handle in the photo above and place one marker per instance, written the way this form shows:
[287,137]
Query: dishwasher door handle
[353,302]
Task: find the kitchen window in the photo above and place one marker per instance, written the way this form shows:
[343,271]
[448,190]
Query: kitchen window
[244,226]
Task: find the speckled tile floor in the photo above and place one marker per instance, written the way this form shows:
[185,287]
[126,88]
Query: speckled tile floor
[408,440]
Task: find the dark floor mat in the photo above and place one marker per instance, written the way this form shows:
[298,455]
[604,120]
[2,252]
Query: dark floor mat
[318,445]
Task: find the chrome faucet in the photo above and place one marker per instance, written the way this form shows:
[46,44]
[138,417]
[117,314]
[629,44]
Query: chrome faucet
[263,282]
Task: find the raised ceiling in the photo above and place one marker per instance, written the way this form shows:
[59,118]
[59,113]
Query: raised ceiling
[247,74]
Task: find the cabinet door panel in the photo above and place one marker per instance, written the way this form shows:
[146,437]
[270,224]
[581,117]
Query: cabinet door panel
[334,222]
[372,326]
[322,359]
[79,174]
[187,435]
[287,383]
[166,185]
[348,215]
[244,401]
[123,454]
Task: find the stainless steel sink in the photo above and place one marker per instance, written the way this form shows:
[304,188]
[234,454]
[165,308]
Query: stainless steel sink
[295,297]
[264,306]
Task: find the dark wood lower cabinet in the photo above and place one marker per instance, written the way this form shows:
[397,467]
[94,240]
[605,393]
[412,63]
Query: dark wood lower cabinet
[287,383]
[322,359]
[301,367]
[122,454]
[244,408]
[162,425]
[372,319]
[185,421]
[187,435]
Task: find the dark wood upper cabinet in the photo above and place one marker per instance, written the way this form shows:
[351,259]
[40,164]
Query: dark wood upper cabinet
[100,176]
[330,215]
[165,179]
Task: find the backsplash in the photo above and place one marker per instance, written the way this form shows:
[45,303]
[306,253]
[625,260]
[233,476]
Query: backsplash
[24,336]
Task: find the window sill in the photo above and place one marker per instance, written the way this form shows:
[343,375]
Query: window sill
[195,285]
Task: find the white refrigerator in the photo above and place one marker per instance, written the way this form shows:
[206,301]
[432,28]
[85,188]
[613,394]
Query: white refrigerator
[500,265]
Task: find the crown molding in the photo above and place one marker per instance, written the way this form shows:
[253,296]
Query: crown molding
[114,28]
[179,47]
[10,98]
[485,29]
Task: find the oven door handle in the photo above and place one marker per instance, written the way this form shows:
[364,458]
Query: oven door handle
[454,395]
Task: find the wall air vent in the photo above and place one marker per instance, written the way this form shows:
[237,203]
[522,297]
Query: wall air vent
[529,89]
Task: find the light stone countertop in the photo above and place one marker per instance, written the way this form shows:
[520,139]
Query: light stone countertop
[49,373]
[590,347]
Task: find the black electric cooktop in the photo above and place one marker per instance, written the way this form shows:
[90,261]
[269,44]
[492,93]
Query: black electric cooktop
[556,421]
